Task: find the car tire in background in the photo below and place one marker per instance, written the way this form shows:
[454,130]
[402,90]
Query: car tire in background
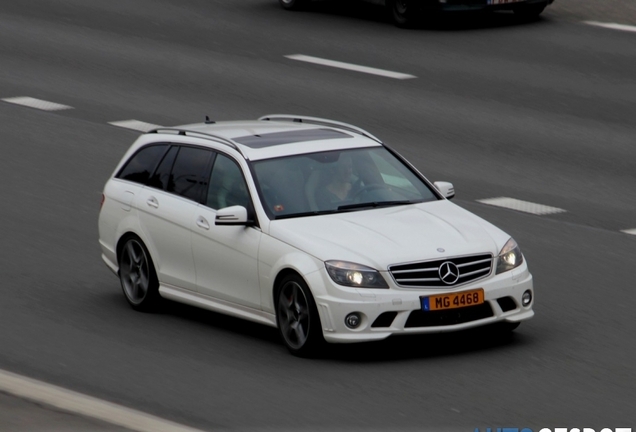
[137,275]
[297,317]
[293,4]
[403,13]
[531,11]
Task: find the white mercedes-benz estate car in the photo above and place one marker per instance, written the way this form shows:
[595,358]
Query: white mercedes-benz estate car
[308,225]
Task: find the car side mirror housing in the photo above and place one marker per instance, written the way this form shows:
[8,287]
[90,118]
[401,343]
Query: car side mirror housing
[234,215]
[445,189]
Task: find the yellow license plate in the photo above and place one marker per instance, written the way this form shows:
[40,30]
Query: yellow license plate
[453,301]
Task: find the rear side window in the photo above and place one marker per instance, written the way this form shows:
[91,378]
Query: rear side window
[188,173]
[162,179]
[142,164]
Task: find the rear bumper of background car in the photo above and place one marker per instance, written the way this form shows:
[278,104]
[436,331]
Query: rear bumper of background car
[475,5]
[386,312]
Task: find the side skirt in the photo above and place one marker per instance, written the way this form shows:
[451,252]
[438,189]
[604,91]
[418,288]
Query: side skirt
[217,305]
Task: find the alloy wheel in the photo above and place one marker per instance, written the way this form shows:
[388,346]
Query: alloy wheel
[401,7]
[134,272]
[294,315]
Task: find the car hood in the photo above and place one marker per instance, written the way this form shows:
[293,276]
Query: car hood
[391,235]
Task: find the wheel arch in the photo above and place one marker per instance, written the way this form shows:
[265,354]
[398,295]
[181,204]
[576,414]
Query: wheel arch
[282,274]
[122,240]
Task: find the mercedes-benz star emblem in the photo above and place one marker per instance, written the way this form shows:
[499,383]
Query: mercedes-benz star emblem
[448,273]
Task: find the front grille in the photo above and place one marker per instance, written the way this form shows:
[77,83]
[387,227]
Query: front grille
[427,273]
[420,318]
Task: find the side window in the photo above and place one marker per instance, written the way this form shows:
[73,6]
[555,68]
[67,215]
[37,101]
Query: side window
[162,179]
[188,173]
[227,185]
[142,164]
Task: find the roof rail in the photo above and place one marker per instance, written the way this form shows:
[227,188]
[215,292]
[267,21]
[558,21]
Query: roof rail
[319,121]
[187,132]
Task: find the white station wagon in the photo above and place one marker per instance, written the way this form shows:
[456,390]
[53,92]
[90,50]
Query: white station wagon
[308,225]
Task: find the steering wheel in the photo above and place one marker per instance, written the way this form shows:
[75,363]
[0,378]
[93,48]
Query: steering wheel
[367,189]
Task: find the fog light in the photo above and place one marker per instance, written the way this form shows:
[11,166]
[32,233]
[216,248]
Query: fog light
[526,298]
[353,320]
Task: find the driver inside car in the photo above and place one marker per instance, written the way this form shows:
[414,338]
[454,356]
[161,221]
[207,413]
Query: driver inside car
[338,189]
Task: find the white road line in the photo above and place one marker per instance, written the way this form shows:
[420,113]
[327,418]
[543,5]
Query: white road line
[84,405]
[135,124]
[349,66]
[37,103]
[523,206]
[612,26]
[630,231]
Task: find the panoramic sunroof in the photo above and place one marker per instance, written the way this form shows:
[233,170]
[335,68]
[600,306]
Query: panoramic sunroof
[278,138]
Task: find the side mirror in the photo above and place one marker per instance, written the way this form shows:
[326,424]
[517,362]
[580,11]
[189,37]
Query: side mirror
[234,215]
[445,189]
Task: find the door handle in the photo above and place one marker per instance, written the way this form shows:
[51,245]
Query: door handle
[202,223]
[152,202]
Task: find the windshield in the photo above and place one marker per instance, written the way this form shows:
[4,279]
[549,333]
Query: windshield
[337,181]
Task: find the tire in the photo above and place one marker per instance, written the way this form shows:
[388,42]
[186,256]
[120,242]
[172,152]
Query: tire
[530,11]
[137,275]
[297,317]
[293,4]
[403,13]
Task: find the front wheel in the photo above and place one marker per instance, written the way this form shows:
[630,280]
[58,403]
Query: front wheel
[297,317]
[293,4]
[403,13]
[137,275]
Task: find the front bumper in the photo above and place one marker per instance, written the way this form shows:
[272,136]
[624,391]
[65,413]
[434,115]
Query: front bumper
[386,312]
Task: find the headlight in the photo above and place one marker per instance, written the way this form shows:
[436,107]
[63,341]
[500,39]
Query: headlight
[509,257]
[354,275]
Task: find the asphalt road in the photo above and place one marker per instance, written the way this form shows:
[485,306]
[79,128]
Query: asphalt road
[538,111]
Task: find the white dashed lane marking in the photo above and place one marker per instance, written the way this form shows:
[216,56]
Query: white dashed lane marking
[523,206]
[37,103]
[349,66]
[630,231]
[613,26]
[81,404]
[135,124]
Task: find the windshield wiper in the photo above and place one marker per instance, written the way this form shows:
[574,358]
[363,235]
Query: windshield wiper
[309,213]
[376,204]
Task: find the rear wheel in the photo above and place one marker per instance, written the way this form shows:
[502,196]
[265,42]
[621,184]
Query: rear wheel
[530,11]
[293,4]
[137,275]
[403,13]
[297,317]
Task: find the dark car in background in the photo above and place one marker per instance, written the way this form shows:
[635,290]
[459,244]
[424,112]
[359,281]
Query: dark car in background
[405,13]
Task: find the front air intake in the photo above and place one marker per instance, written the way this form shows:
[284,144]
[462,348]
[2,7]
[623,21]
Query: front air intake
[420,318]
